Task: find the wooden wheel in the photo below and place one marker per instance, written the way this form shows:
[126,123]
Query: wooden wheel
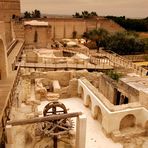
[56,127]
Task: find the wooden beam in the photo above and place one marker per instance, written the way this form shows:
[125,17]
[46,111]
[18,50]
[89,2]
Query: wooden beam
[43,119]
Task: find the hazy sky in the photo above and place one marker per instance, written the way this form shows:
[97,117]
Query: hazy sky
[129,8]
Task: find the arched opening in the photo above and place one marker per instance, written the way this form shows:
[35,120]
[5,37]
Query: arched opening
[98,114]
[127,121]
[146,128]
[126,100]
[117,97]
[3,68]
[81,92]
[88,102]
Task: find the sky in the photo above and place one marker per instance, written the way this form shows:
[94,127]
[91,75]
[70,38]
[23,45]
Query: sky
[128,8]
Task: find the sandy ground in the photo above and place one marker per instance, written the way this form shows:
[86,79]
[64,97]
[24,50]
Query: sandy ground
[95,137]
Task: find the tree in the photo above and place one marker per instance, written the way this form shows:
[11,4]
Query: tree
[99,36]
[27,14]
[36,14]
[77,15]
[85,14]
[131,24]
[125,43]
[93,14]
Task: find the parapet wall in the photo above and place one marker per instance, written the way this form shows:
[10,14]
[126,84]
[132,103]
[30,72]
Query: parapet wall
[64,27]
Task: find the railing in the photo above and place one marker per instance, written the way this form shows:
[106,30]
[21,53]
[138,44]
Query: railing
[11,46]
[4,117]
[121,61]
[18,56]
[114,59]
[64,65]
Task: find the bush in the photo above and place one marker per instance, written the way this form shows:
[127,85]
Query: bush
[114,75]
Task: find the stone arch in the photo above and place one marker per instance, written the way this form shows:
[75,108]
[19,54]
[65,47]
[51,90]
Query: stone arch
[88,102]
[127,121]
[3,61]
[81,92]
[97,114]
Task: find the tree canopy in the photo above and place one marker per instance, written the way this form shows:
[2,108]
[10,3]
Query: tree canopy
[140,25]
[119,42]
[34,14]
[85,14]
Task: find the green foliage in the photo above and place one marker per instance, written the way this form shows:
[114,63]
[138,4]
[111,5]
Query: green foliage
[119,42]
[114,75]
[125,43]
[85,15]
[34,14]
[146,45]
[140,25]
[99,36]
[27,14]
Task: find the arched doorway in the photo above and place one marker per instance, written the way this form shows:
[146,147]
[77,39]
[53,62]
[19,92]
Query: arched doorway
[88,102]
[98,114]
[127,121]
[81,92]
[3,61]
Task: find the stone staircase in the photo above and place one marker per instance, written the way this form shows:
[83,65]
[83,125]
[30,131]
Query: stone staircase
[18,28]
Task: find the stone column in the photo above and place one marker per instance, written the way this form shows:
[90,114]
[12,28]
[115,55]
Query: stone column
[9,135]
[81,131]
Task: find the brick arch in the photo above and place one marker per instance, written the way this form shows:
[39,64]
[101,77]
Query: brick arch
[127,121]
[88,102]
[97,114]
[3,60]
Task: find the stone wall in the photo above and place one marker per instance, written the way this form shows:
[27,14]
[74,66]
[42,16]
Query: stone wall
[109,88]
[64,27]
[8,8]
[43,35]
[106,87]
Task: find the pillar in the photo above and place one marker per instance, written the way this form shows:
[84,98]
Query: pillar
[9,135]
[81,131]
